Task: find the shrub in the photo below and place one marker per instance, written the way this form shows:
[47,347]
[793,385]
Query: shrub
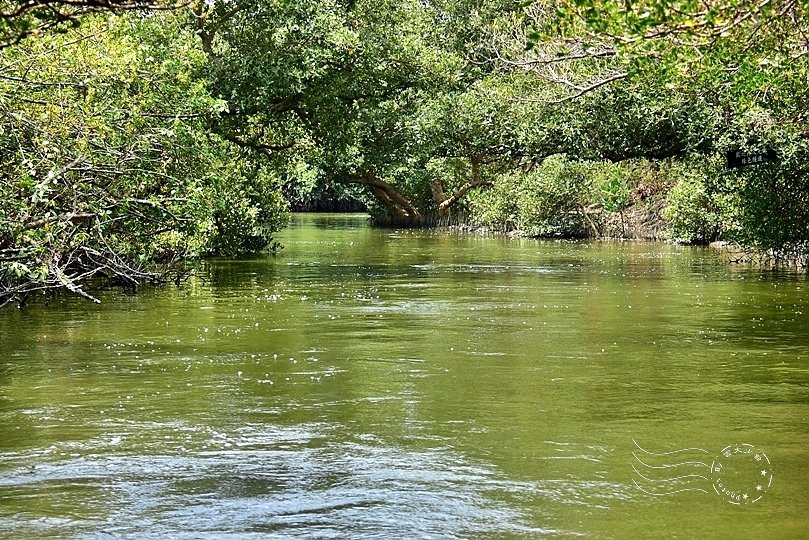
[691,213]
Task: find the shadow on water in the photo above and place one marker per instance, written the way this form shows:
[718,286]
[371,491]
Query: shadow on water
[333,221]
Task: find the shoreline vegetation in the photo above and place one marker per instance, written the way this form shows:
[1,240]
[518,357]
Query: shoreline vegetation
[138,137]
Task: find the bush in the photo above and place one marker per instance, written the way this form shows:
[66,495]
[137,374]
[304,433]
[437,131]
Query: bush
[246,209]
[691,213]
[548,201]
[614,188]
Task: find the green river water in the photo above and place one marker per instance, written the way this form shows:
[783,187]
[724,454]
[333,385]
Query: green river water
[412,384]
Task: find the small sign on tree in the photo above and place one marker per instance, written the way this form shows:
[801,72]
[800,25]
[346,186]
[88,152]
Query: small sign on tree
[741,158]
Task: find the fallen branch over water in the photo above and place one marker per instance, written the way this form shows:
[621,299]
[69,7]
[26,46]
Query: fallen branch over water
[80,252]
[73,271]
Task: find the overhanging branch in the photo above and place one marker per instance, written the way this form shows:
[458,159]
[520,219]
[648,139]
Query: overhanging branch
[474,182]
[385,192]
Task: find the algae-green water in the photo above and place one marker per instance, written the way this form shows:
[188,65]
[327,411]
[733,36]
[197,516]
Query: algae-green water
[367,383]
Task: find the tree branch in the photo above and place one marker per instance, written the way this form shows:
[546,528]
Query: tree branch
[267,149]
[474,182]
[391,194]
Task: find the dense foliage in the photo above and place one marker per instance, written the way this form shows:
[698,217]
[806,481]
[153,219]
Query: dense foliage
[148,136]
[732,75]
[108,167]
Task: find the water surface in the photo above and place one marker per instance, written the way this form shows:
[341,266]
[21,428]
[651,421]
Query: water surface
[413,384]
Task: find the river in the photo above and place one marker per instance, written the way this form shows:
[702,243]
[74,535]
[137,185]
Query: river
[414,384]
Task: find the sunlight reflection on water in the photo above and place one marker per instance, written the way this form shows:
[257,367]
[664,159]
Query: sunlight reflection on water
[404,385]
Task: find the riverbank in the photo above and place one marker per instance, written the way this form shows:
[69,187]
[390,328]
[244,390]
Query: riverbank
[642,221]
[736,254]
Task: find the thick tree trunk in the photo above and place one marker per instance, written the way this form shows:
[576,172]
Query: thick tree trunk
[437,188]
[403,211]
[388,195]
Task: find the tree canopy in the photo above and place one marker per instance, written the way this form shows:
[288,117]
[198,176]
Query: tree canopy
[136,135]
